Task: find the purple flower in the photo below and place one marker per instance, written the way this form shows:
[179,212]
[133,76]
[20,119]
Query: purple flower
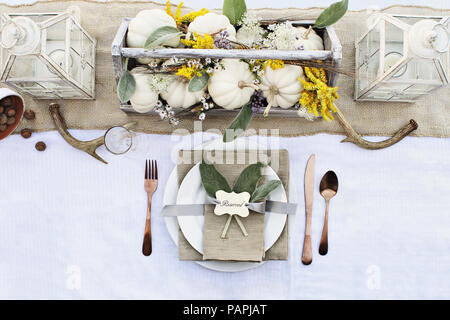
[258,102]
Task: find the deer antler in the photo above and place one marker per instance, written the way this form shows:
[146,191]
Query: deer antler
[354,137]
[86,146]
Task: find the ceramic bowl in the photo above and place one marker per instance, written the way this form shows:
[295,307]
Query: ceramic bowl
[20,108]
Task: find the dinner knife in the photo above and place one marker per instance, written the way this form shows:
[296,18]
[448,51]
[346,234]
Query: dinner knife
[309,196]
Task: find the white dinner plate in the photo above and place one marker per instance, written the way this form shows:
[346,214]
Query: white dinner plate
[170,197]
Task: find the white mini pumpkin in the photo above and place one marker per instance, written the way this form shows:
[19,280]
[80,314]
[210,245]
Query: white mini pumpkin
[224,85]
[281,87]
[145,22]
[144,98]
[178,95]
[211,23]
[311,41]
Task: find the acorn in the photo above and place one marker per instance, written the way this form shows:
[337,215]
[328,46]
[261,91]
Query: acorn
[11,112]
[40,146]
[3,127]
[2,109]
[26,133]
[29,114]
[6,102]
[3,118]
[11,121]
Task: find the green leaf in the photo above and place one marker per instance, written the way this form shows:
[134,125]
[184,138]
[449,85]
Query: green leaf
[126,86]
[212,180]
[264,190]
[198,83]
[234,10]
[239,124]
[161,35]
[331,14]
[249,178]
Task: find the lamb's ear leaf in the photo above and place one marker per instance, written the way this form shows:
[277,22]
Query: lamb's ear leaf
[249,178]
[239,124]
[198,83]
[331,14]
[212,180]
[126,86]
[264,190]
[234,10]
[161,35]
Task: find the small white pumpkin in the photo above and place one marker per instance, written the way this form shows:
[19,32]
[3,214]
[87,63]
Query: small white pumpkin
[178,95]
[225,86]
[281,87]
[211,23]
[144,98]
[142,26]
[308,40]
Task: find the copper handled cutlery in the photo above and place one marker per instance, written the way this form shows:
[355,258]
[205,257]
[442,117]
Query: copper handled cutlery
[150,185]
[309,197]
[328,189]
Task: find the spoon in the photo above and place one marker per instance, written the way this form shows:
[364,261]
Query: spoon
[328,189]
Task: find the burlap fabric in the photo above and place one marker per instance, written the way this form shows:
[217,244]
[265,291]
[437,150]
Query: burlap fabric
[102,19]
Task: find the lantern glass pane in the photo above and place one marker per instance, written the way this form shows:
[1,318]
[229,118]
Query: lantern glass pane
[55,38]
[30,68]
[422,69]
[369,56]
[394,46]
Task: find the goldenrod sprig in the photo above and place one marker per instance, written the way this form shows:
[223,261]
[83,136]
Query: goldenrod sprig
[317,96]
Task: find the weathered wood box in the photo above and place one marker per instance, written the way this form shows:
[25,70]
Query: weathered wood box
[332,54]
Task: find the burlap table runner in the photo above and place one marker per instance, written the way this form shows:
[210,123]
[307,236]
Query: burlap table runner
[102,19]
[235,247]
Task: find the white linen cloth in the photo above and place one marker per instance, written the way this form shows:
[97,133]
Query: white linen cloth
[72,227]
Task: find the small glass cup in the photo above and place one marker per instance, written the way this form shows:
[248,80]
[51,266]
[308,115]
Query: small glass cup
[118,140]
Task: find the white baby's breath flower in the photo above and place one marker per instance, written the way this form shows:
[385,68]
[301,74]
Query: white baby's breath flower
[209,70]
[208,60]
[159,104]
[303,112]
[282,37]
[159,83]
[202,116]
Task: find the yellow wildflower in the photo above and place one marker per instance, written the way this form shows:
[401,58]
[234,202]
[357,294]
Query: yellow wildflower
[274,64]
[189,17]
[317,96]
[200,42]
[188,72]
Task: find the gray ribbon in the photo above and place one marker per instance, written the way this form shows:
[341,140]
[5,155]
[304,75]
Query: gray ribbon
[174,210]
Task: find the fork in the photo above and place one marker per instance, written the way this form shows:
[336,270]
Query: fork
[150,185]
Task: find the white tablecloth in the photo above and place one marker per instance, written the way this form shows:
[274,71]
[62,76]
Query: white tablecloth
[71,227]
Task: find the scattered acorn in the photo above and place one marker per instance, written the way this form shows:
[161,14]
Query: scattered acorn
[3,118]
[2,108]
[3,127]
[29,114]
[26,133]
[40,146]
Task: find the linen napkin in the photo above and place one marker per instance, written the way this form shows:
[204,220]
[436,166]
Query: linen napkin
[235,247]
